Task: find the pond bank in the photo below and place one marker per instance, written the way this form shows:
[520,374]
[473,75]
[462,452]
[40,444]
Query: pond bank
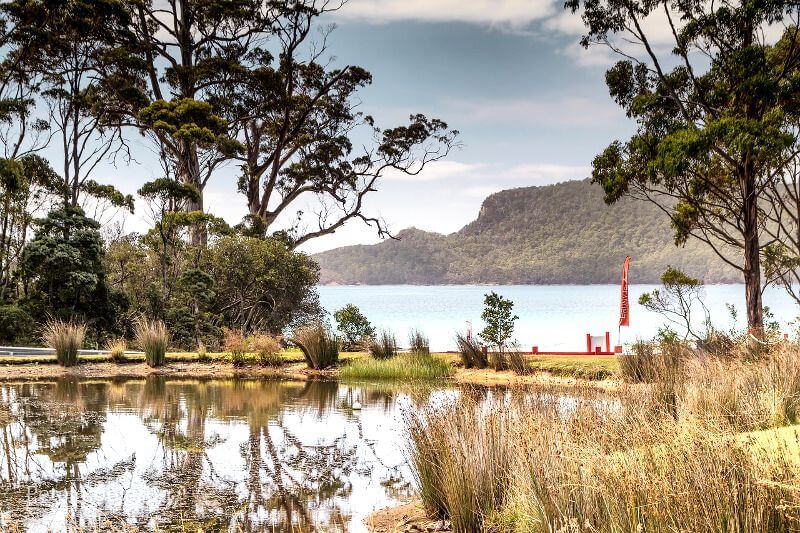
[290,370]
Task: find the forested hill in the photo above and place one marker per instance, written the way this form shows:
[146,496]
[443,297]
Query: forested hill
[561,233]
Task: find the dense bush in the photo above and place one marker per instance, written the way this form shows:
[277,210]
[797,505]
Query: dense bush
[354,328]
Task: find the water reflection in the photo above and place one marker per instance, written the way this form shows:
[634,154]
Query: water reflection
[248,455]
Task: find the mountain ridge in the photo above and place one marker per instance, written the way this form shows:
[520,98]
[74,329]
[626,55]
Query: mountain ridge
[553,234]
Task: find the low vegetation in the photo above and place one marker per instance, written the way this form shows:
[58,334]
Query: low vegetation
[320,348]
[116,350]
[408,366]
[152,337]
[384,346]
[66,338]
[677,453]
[268,349]
[418,342]
[470,352]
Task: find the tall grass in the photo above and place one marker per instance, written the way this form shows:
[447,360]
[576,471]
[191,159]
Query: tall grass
[66,338]
[403,367]
[470,352]
[153,338]
[268,349]
[418,342]
[319,347]
[384,346]
[235,343]
[641,461]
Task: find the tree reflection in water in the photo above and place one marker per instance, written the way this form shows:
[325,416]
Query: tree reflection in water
[247,454]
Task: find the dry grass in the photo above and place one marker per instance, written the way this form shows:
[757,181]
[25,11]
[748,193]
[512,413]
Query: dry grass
[659,457]
[471,352]
[268,349]
[418,342]
[152,337]
[235,344]
[66,338]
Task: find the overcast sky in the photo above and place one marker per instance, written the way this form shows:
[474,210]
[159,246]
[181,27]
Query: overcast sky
[530,103]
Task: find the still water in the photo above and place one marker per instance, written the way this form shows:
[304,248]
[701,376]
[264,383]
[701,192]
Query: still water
[249,454]
[555,317]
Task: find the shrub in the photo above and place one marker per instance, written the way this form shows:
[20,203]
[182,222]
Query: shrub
[320,348]
[236,345]
[405,366]
[66,338]
[116,350]
[384,346]
[497,360]
[418,342]
[268,349]
[471,352]
[152,337]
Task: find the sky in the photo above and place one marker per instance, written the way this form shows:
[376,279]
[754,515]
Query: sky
[530,103]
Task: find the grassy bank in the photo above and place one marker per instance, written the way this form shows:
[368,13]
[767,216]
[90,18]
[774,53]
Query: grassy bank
[693,449]
[405,367]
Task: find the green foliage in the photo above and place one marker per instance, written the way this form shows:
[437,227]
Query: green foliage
[403,367]
[353,326]
[499,319]
[16,324]
[554,234]
[384,346]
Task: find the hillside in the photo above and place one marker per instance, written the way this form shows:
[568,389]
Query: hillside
[555,234]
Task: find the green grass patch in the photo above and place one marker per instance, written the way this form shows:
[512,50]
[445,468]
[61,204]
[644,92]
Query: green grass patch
[405,367]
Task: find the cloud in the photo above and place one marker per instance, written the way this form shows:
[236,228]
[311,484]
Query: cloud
[545,174]
[513,14]
[566,111]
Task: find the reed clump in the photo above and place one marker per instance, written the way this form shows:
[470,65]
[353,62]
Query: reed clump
[470,352]
[706,457]
[384,346]
[320,348]
[418,342]
[66,338]
[152,336]
[410,366]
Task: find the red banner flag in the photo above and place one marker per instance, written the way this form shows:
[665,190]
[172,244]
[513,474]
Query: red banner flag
[624,304]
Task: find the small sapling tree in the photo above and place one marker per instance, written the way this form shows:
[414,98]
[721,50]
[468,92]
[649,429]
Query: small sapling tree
[679,296]
[353,326]
[499,319]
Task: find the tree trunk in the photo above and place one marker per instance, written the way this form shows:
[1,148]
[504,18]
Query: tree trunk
[752,261]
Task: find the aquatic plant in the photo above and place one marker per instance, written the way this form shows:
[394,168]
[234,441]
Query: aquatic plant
[403,367]
[383,346]
[470,352]
[319,347]
[418,342]
[152,337]
[66,338]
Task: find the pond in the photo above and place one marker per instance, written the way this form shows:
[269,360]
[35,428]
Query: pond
[181,454]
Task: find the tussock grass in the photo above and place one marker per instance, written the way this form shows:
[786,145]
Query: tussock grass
[418,342]
[471,352]
[643,461]
[268,349]
[384,346]
[66,338]
[409,366]
[319,347]
[116,350]
[235,344]
[152,337]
